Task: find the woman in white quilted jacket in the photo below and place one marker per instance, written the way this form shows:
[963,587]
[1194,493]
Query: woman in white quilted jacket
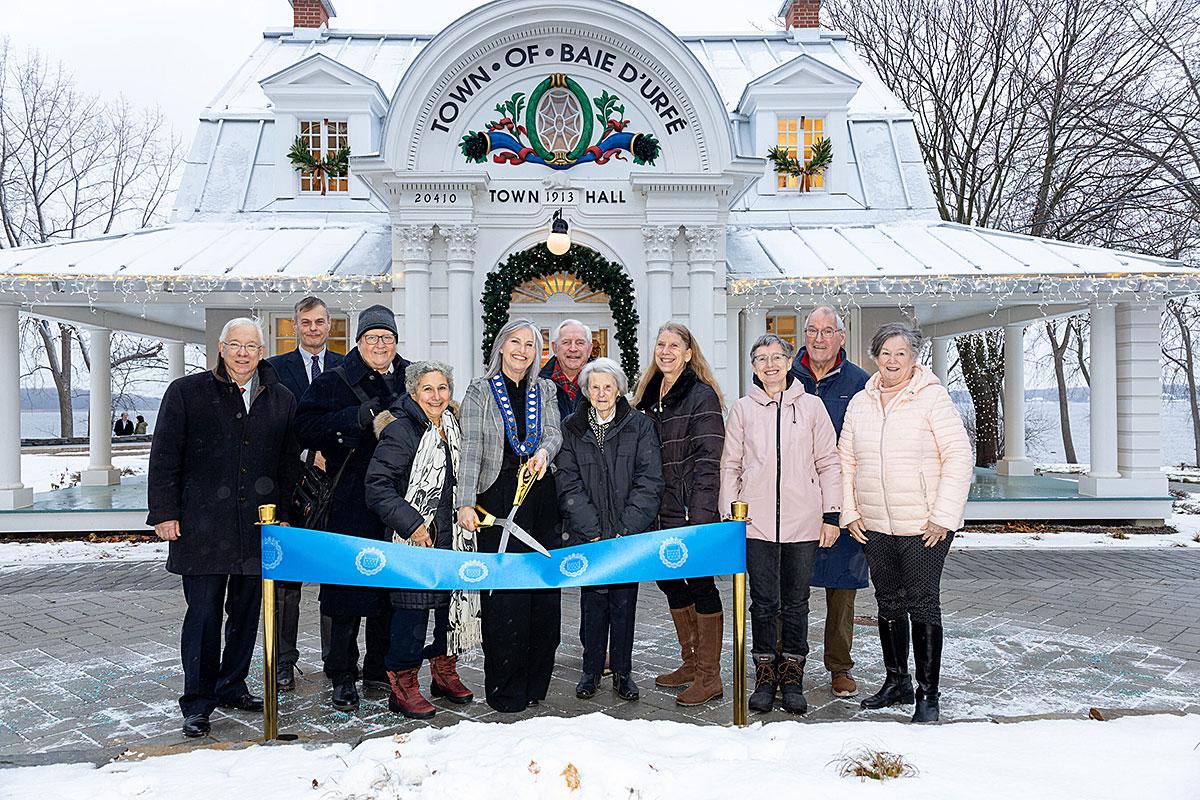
[906,472]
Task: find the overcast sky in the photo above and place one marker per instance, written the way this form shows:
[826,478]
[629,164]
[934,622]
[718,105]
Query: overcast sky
[178,54]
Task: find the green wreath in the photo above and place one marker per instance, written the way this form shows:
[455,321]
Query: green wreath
[787,164]
[334,165]
[587,265]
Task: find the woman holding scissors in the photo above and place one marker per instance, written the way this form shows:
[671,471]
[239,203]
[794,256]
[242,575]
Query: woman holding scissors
[511,433]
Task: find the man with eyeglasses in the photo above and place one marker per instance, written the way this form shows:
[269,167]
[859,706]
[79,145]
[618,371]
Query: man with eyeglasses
[336,416]
[572,349]
[224,445]
[297,369]
[822,366]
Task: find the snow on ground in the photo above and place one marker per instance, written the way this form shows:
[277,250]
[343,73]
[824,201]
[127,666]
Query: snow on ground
[596,756]
[27,554]
[1068,540]
[40,470]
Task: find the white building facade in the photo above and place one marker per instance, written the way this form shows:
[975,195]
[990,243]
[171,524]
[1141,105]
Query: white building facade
[651,145]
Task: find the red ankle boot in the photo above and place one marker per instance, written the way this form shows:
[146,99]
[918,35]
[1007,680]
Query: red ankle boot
[446,682]
[406,696]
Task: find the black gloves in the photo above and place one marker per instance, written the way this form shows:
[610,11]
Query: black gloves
[367,412]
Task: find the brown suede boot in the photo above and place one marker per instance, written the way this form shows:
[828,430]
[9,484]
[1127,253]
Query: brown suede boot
[685,630]
[406,696]
[446,682]
[707,685]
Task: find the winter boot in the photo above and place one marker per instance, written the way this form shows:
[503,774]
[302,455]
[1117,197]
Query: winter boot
[586,688]
[707,682]
[406,695]
[446,682]
[927,656]
[685,629]
[766,679]
[897,686]
[791,684]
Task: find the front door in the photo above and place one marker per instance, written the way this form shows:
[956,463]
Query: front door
[549,300]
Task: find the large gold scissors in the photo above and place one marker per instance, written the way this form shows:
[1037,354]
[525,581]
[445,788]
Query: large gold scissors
[525,481]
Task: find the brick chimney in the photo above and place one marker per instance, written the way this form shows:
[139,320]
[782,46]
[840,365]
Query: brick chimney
[311,13]
[801,14]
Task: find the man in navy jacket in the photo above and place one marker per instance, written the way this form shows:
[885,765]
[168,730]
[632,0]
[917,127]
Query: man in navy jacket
[822,366]
[297,369]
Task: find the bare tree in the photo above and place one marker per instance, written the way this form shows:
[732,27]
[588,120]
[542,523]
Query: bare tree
[1181,326]
[72,166]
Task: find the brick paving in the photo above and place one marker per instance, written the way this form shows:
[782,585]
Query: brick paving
[89,659]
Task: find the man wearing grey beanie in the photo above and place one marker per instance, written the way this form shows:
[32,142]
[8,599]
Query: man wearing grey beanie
[336,416]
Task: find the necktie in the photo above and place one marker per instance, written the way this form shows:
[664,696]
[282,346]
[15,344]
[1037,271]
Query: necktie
[242,389]
[316,369]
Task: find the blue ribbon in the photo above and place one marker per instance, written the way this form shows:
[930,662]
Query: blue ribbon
[299,554]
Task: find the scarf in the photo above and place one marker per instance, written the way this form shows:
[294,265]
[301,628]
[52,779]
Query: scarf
[425,484]
[569,387]
[599,428]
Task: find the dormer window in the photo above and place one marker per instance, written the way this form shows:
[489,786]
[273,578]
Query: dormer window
[799,135]
[324,138]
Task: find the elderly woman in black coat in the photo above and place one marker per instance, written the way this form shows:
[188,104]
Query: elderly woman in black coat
[336,416]
[410,486]
[610,484]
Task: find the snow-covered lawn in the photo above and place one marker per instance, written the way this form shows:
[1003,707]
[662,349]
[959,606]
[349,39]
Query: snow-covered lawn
[22,554]
[42,470]
[596,756]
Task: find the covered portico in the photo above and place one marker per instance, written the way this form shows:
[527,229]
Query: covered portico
[953,280]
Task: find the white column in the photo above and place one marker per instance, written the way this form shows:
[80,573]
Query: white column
[941,360]
[754,325]
[414,258]
[660,246]
[1139,399]
[1014,461]
[703,247]
[460,268]
[175,364]
[13,493]
[100,471]
[1103,478]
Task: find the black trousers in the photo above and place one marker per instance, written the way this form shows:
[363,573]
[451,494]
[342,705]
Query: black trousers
[212,675]
[699,592]
[341,664]
[606,627]
[287,622]
[907,576]
[520,637]
[409,627]
[779,578]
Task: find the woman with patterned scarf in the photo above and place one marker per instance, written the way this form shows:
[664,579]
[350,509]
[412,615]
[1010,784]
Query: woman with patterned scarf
[410,486]
[510,426]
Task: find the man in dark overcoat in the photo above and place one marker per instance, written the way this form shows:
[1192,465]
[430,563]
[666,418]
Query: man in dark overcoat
[224,445]
[297,369]
[336,416]
[823,369]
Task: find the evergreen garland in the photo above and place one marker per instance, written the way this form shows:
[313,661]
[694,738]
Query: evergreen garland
[585,264]
[787,164]
[335,165]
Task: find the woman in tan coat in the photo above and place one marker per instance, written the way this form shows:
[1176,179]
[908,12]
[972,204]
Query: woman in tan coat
[906,472]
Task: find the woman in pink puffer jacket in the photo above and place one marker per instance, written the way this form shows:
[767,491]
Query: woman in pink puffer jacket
[906,473]
[781,457]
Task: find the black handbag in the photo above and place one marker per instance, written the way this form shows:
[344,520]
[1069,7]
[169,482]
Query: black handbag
[312,500]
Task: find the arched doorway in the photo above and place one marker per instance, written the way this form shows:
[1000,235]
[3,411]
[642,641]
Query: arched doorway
[581,284]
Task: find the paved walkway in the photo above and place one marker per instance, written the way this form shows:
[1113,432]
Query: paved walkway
[89,658]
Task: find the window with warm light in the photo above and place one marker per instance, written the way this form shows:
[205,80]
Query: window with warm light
[324,138]
[284,334]
[784,326]
[800,135]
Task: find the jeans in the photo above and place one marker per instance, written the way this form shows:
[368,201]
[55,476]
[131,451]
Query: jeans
[779,588]
[409,626]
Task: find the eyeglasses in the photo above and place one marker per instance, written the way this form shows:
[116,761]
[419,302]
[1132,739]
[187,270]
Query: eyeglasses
[821,333]
[374,338]
[238,347]
[774,358]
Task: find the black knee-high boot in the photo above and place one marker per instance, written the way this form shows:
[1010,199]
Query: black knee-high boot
[927,656]
[897,686]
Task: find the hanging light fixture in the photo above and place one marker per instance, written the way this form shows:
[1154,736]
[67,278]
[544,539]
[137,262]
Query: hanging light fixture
[559,240]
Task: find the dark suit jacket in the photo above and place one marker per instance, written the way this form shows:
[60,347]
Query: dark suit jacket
[293,369]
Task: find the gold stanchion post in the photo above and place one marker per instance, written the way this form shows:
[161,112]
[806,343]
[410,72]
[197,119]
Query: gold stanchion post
[266,516]
[740,512]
